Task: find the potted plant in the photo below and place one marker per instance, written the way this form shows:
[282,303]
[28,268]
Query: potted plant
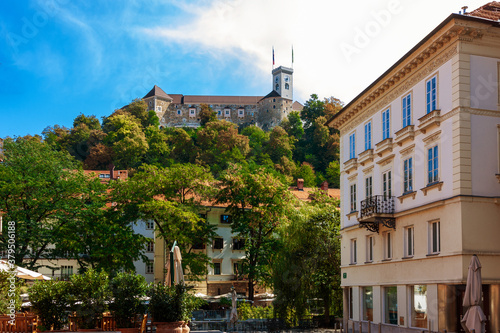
[170,308]
[92,294]
[128,290]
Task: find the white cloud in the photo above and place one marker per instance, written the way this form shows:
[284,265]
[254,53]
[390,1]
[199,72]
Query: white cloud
[340,47]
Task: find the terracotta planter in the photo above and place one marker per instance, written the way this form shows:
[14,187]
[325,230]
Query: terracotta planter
[128,330]
[169,327]
[185,327]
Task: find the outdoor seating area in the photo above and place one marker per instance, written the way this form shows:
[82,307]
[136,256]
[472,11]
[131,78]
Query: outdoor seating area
[23,323]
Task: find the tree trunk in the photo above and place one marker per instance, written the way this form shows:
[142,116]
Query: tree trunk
[326,305]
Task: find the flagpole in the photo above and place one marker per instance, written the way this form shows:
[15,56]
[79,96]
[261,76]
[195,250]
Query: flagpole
[273,57]
[292,56]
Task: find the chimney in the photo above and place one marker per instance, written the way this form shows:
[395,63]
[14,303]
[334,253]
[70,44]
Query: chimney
[465,9]
[300,184]
[111,171]
[324,186]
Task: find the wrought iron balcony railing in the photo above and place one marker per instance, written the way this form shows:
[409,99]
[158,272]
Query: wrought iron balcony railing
[375,210]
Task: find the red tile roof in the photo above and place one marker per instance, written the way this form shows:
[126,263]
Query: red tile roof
[490,11]
[239,100]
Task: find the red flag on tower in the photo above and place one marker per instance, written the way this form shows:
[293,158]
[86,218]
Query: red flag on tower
[273,55]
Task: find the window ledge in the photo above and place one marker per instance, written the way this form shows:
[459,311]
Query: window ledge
[498,177]
[405,195]
[432,254]
[369,262]
[387,259]
[431,186]
[351,214]
[406,258]
[353,263]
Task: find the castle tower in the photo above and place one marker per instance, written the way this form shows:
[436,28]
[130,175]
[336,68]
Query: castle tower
[283,82]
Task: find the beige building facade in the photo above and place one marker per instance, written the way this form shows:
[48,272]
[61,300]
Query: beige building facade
[420,182]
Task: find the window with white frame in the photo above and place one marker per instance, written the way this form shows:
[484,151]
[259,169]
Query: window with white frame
[241,113]
[387,245]
[368,135]
[227,113]
[150,246]
[386,124]
[387,184]
[217,268]
[407,110]
[408,241]
[354,251]
[431,94]
[150,267]
[432,165]
[192,113]
[353,198]
[150,225]
[352,145]
[158,108]
[408,175]
[368,186]
[369,248]
[434,237]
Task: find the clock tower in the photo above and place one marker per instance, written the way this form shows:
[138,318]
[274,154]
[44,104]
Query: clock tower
[283,82]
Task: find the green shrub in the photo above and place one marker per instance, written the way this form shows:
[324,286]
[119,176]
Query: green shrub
[92,292]
[169,304]
[50,299]
[247,311]
[127,290]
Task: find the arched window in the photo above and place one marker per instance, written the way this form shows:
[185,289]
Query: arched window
[287,86]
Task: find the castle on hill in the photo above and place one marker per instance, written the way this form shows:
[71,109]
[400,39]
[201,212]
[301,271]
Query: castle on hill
[177,110]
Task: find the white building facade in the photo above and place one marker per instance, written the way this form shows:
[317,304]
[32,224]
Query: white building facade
[419,183]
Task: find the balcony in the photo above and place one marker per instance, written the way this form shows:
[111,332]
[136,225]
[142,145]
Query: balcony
[376,210]
[429,120]
[404,134]
[365,157]
[350,165]
[383,146]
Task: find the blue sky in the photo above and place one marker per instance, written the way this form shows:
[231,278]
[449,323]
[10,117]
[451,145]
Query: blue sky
[60,58]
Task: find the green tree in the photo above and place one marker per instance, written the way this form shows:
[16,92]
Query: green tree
[207,114]
[220,144]
[306,172]
[127,139]
[258,202]
[293,125]
[313,108]
[308,263]
[41,190]
[172,198]
[333,174]
[257,142]
[158,152]
[279,145]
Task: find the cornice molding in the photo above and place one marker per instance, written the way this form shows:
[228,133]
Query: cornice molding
[405,85]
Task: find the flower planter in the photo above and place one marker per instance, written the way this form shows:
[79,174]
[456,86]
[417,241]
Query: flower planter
[169,327]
